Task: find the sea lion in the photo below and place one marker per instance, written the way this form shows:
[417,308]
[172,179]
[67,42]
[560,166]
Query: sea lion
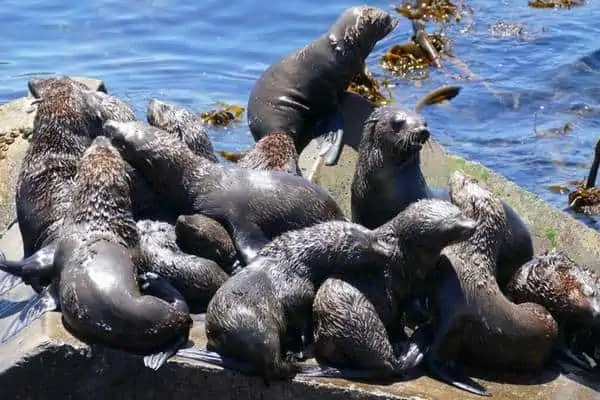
[205,237]
[474,322]
[184,123]
[357,319]
[196,278]
[97,261]
[248,203]
[273,152]
[261,312]
[300,94]
[68,117]
[569,291]
[388,173]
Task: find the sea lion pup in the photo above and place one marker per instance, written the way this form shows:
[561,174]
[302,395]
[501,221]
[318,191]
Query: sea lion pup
[388,173]
[300,94]
[273,152]
[184,123]
[474,322]
[569,291]
[260,312]
[357,320]
[248,203]
[205,237]
[196,278]
[97,260]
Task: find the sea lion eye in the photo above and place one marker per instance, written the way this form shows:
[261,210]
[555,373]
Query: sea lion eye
[398,122]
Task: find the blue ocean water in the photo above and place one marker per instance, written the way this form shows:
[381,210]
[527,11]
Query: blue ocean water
[517,89]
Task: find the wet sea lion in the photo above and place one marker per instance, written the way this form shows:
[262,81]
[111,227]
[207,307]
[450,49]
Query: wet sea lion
[273,152]
[388,173]
[196,278]
[357,318]
[569,291]
[97,262]
[248,203]
[474,322]
[261,312]
[300,94]
[205,237]
[184,123]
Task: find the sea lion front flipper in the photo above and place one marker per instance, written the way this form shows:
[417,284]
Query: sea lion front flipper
[453,378]
[331,130]
[248,240]
[37,306]
[157,360]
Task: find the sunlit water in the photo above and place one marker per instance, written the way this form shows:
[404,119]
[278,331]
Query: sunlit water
[200,52]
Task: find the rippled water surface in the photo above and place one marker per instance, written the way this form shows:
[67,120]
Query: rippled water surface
[200,52]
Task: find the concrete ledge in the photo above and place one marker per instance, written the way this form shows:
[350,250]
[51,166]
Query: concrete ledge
[45,361]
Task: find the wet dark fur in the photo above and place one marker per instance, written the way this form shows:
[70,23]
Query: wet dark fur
[388,173]
[273,152]
[268,303]
[307,85]
[63,127]
[99,258]
[205,237]
[357,317]
[253,206]
[195,277]
[474,321]
[184,123]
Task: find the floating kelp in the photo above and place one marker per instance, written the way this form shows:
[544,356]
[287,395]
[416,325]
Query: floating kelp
[439,95]
[407,58]
[224,115]
[556,3]
[440,11]
[364,84]
[506,29]
[231,155]
[585,200]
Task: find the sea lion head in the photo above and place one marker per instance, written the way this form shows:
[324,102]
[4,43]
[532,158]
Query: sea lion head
[476,200]
[360,28]
[398,133]
[434,224]
[40,87]
[569,291]
[184,123]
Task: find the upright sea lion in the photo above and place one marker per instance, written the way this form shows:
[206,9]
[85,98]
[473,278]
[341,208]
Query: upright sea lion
[300,94]
[569,291]
[388,173]
[183,123]
[260,312]
[196,278]
[357,319]
[205,237]
[97,261]
[474,322]
[253,206]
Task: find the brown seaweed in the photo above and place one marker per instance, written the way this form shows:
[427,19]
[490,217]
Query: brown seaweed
[409,57]
[439,11]
[224,115]
[364,84]
[555,3]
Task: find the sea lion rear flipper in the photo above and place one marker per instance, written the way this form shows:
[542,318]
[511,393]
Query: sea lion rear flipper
[453,378]
[332,132]
[160,287]
[579,360]
[158,359]
[39,264]
[37,306]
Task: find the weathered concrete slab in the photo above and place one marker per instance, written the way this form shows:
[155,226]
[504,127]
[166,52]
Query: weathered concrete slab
[17,123]
[45,361]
